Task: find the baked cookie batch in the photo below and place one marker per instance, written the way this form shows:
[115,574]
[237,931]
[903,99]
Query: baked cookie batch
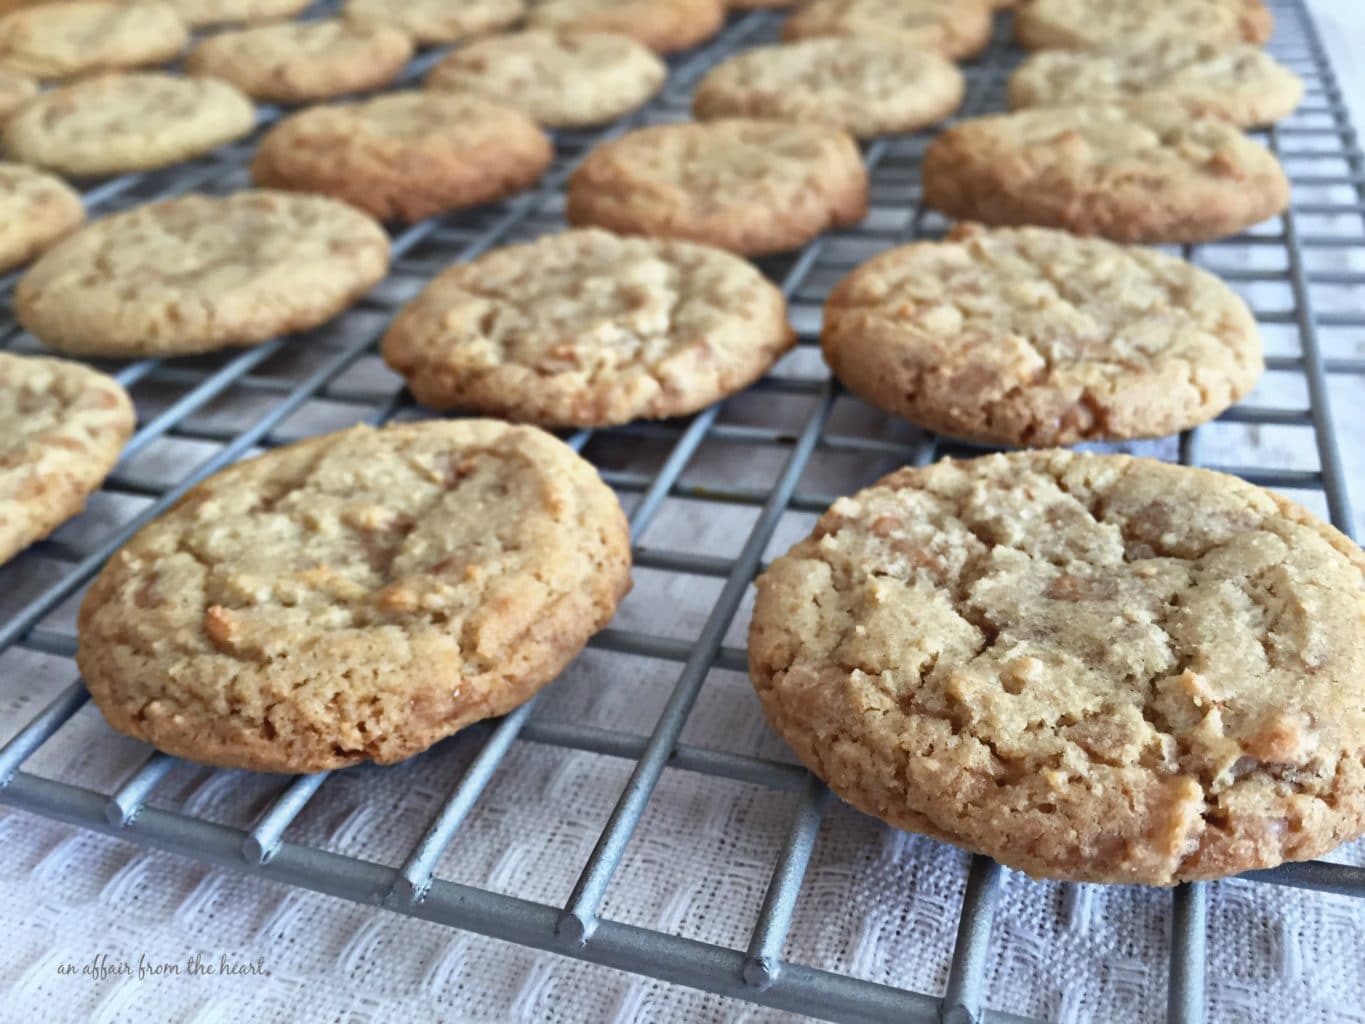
[1090,667]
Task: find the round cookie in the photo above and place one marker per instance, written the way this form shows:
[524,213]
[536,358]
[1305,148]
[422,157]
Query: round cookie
[1242,84]
[15,91]
[1089,667]
[62,427]
[665,26]
[953,28]
[1032,336]
[199,273]
[300,61]
[562,79]
[1135,172]
[588,329]
[864,85]
[406,155]
[128,122]
[433,22]
[1101,24]
[36,210]
[356,596]
[61,40]
[206,13]
[752,187]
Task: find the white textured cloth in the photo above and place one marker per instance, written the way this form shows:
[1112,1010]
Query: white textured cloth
[875,904]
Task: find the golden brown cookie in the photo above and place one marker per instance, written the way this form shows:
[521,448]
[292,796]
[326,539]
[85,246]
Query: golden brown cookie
[1242,84]
[62,427]
[1136,172]
[954,28]
[433,22]
[36,210]
[748,186]
[1089,667]
[864,85]
[306,60]
[1032,336]
[406,155]
[199,273]
[61,40]
[588,329]
[15,91]
[204,13]
[665,26]
[565,79]
[1100,24]
[356,596]
[127,122]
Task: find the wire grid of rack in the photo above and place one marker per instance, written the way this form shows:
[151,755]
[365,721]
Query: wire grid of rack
[756,973]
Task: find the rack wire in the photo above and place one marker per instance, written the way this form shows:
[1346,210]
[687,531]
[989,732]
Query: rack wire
[278,386]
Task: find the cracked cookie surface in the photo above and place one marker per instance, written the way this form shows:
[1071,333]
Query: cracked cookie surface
[1242,84]
[36,210]
[958,29]
[665,26]
[1089,667]
[867,86]
[407,155]
[566,79]
[749,186]
[433,22]
[301,61]
[204,13]
[1032,336]
[1141,171]
[127,122]
[15,91]
[1099,24]
[356,596]
[198,273]
[587,328]
[64,39]
[62,427]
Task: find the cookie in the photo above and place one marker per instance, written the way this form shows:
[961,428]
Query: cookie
[751,187]
[1032,336]
[1101,24]
[36,210]
[307,60]
[867,86]
[1242,84]
[128,122]
[406,155]
[1089,667]
[199,273]
[665,26]
[953,28]
[589,329]
[356,596]
[1135,172]
[15,91]
[205,13]
[433,22]
[62,40]
[563,79]
[62,427]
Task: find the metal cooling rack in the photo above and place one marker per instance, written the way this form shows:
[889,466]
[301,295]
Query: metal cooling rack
[52,575]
